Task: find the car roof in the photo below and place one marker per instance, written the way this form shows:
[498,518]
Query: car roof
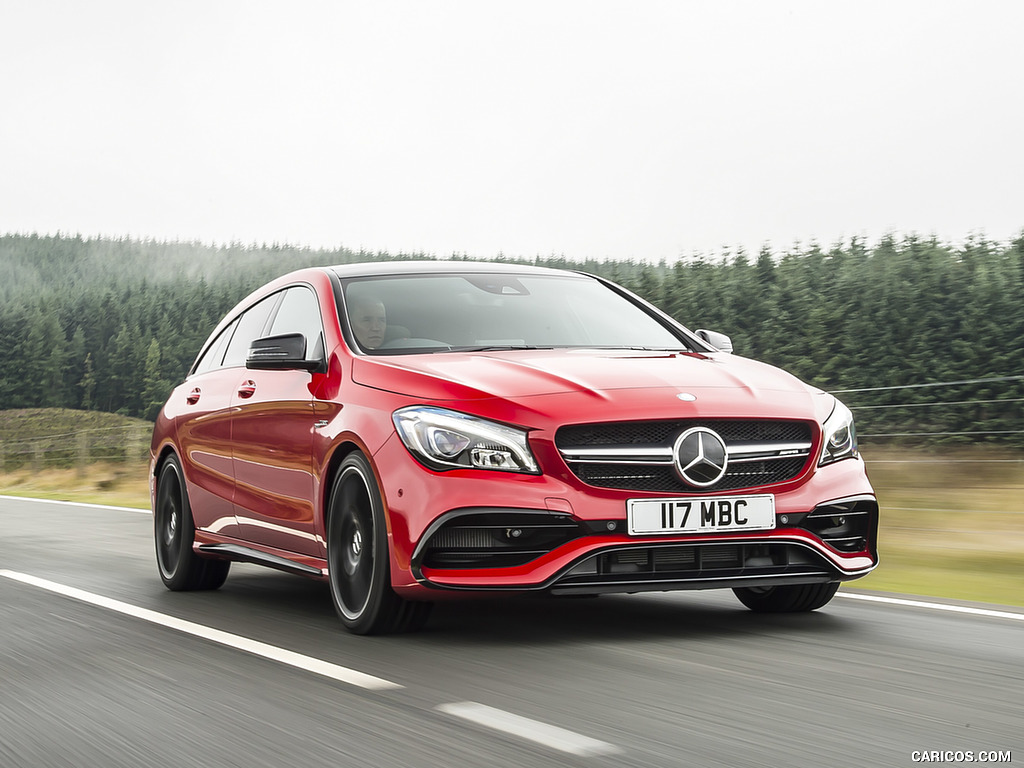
[428,267]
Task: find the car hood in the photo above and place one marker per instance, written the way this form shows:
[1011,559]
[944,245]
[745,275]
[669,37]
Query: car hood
[720,382]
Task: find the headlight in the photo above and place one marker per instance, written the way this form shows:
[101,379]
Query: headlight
[840,436]
[443,439]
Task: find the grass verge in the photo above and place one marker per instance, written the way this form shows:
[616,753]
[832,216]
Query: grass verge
[952,524]
[113,483]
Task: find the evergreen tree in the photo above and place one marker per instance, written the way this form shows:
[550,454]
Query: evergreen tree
[154,387]
[87,384]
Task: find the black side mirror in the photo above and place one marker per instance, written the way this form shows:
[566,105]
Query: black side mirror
[286,352]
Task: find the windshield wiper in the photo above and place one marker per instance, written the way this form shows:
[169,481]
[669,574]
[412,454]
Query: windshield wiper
[507,347]
[673,350]
[496,348]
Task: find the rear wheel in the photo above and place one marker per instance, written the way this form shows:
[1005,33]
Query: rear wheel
[796,598]
[174,531]
[358,560]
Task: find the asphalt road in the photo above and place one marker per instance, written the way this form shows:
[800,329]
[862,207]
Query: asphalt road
[680,679]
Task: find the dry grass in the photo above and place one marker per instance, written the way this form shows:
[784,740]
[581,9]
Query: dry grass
[116,484]
[952,524]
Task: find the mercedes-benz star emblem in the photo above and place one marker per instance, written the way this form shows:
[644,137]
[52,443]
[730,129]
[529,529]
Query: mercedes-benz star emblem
[701,457]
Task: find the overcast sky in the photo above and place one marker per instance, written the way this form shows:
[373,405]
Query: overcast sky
[647,130]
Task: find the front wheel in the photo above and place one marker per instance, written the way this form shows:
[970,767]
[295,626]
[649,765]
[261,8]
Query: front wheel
[358,560]
[796,598]
[174,531]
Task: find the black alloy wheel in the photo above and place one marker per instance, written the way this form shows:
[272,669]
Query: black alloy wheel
[174,531]
[358,561]
[796,598]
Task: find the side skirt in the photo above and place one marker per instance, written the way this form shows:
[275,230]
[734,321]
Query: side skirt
[241,554]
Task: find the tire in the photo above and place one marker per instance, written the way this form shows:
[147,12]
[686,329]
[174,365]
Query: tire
[181,569]
[798,598]
[358,560]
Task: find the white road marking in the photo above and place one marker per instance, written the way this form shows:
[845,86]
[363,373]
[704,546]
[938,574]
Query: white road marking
[935,606]
[506,722]
[78,504]
[255,647]
[532,730]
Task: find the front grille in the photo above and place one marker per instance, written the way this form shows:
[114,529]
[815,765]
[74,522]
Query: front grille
[663,479]
[665,432]
[638,455]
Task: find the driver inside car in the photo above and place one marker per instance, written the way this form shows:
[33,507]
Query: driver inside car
[369,321]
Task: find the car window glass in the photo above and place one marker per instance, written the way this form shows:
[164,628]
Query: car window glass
[409,314]
[300,313]
[214,354]
[250,327]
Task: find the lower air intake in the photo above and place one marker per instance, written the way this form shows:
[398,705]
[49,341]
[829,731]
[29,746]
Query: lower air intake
[496,539]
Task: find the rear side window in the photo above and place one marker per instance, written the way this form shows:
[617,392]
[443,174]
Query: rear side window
[251,326]
[214,354]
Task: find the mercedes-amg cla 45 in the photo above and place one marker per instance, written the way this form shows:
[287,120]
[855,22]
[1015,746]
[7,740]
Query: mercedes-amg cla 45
[412,431]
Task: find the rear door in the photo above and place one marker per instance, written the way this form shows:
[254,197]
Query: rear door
[204,439]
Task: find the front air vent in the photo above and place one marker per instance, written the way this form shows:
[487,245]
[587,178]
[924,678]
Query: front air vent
[848,526]
[495,539]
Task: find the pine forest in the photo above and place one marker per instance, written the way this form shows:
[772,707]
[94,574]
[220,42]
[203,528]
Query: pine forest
[925,340]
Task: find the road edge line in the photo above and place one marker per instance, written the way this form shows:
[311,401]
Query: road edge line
[238,642]
[140,510]
[934,606]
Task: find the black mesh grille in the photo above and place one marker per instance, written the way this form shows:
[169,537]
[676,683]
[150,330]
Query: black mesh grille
[662,478]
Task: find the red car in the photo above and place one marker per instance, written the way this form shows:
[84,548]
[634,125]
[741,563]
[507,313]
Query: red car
[414,431]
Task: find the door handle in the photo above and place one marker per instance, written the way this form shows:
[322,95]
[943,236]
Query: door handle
[247,389]
[193,397]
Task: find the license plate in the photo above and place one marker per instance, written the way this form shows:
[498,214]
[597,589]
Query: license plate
[720,514]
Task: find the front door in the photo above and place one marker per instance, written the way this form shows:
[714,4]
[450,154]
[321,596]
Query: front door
[272,435]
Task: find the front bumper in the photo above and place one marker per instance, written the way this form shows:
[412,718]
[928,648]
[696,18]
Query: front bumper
[593,553]
[619,563]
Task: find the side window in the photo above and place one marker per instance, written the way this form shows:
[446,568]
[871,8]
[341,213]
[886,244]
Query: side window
[300,313]
[214,353]
[250,327]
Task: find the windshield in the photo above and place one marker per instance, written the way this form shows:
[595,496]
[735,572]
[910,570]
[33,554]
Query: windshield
[441,313]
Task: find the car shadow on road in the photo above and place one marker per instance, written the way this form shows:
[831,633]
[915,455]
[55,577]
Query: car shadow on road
[614,618]
[517,620]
